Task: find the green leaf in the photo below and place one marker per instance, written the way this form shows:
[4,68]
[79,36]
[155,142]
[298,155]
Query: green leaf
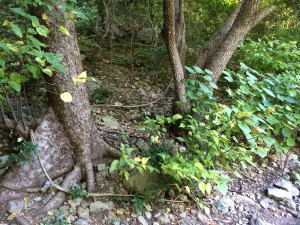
[213,85]
[198,70]
[15,28]
[18,78]
[244,89]
[290,142]
[208,72]
[202,187]
[190,70]
[16,86]
[2,63]
[42,30]
[20,11]
[244,127]
[60,68]
[64,30]
[114,166]
[48,72]
[35,21]
[223,188]
[243,66]
[287,132]
[177,117]
[35,71]
[180,139]
[262,152]
[269,141]
[269,92]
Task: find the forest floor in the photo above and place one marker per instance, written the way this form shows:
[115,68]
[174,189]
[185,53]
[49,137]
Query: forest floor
[132,93]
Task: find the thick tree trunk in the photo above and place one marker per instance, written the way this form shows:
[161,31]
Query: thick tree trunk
[67,137]
[217,52]
[174,35]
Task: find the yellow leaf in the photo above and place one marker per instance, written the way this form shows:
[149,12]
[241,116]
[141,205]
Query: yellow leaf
[64,30]
[44,16]
[208,188]
[66,97]
[144,161]
[137,159]
[155,139]
[6,23]
[187,188]
[81,78]
[20,139]
[144,167]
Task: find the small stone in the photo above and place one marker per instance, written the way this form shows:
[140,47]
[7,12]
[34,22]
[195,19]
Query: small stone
[182,215]
[164,220]
[46,186]
[288,186]
[155,223]
[37,199]
[278,194]
[148,215]
[265,203]
[75,202]
[81,222]
[98,206]
[206,211]
[246,201]
[101,167]
[226,204]
[157,215]
[15,207]
[83,213]
[148,207]
[142,220]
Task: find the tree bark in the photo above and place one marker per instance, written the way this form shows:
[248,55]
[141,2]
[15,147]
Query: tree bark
[219,49]
[174,35]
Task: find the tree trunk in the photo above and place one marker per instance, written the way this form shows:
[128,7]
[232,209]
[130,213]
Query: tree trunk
[67,135]
[174,35]
[217,52]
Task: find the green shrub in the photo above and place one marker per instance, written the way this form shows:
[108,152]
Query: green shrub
[260,113]
[100,96]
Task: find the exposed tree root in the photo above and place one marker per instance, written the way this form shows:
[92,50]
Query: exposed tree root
[22,220]
[71,179]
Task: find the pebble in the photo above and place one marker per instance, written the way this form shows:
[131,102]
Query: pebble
[148,215]
[155,223]
[99,206]
[81,222]
[182,215]
[37,199]
[83,213]
[142,220]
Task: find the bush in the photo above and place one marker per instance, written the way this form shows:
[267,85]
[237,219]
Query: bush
[259,114]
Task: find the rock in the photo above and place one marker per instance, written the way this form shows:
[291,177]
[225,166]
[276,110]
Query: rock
[278,194]
[182,215]
[288,186]
[143,183]
[246,201]
[142,144]
[83,213]
[81,222]
[289,203]
[265,203]
[147,35]
[101,167]
[295,173]
[46,186]
[142,220]
[92,85]
[148,215]
[3,160]
[261,222]
[98,206]
[37,199]
[155,223]
[110,123]
[15,207]
[75,202]
[226,204]
[164,220]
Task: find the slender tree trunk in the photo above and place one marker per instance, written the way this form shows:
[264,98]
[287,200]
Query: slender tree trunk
[174,35]
[67,137]
[217,52]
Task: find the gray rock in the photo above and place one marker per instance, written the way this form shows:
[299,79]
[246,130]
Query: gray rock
[15,206]
[288,186]
[261,222]
[246,201]
[81,222]
[83,213]
[98,206]
[265,203]
[295,173]
[146,35]
[101,167]
[110,123]
[142,144]
[75,202]
[92,85]
[3,160]
[142,220]
[227,204]
[289,203]
[155,223]
[278,194]
[143,183]
[163,220]
[37,199]
[182,215]
[46,186]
